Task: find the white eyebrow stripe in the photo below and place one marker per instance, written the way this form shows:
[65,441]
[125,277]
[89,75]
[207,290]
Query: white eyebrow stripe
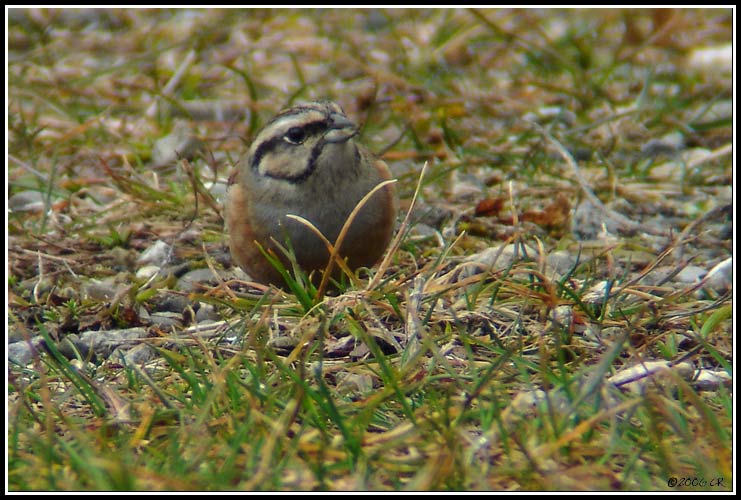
[297,119]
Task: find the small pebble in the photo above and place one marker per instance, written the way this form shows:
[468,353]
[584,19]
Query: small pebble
[157,254]
[147,272]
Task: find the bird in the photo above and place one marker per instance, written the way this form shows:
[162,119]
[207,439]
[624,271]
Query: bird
[307,161]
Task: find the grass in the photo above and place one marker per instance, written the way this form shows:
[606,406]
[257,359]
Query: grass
[423,374]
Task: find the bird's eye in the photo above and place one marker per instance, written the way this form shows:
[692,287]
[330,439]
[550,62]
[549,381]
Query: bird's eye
[295,135]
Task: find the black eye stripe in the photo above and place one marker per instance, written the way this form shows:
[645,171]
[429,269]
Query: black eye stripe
[314,127]
[264,148]
[295,135]
[276,142]
[309,129]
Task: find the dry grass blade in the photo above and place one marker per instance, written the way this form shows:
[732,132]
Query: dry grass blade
[173,82]
[586,190]
[396,242]
[334,250]
[330,247]
[722,151]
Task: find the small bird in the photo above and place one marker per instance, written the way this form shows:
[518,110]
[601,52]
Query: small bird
[306,161]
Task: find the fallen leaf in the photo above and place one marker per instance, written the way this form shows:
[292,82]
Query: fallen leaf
[553,216]
[489,207]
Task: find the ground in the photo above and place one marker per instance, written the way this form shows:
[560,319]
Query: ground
[555,312]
